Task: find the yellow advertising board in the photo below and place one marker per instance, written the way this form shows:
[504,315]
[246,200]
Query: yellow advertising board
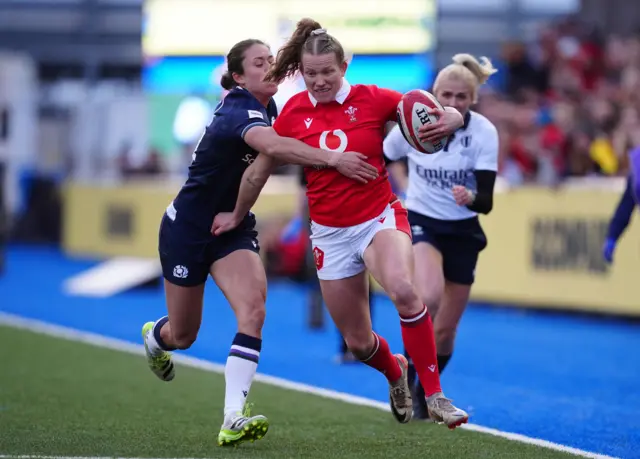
[107,221]
[544,245]
[545,251]
[212,27]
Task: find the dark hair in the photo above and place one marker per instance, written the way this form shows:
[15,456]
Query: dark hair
[309,37]
[234,62]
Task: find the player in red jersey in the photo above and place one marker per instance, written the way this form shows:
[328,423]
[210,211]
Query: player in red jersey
[355,227]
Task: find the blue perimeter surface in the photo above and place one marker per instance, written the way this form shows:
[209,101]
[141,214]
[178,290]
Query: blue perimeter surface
[567,379]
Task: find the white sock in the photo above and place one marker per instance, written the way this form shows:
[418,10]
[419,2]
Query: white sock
[239,372]
[152,342]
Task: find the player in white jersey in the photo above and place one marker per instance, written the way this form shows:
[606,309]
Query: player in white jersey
[445,193]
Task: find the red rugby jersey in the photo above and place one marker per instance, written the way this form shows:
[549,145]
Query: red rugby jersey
[355,121]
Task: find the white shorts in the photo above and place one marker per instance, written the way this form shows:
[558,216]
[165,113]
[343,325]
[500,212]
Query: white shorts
[338,252]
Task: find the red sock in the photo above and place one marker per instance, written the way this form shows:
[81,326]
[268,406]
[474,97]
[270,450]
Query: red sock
[420,343]
[383,360]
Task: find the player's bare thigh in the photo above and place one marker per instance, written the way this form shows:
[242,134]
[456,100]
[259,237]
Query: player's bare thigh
[428,276]
[389,258]
[184,309]
[347,301]
[242,279]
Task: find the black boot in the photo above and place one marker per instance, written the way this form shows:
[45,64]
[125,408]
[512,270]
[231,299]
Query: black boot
[420,410]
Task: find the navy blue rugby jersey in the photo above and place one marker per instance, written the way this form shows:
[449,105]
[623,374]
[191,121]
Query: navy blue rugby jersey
[220,159]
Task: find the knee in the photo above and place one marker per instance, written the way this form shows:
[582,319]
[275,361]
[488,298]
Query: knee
[404,296]
[445,338]
[184,339]
[251,315]
[432,301]
[360,344]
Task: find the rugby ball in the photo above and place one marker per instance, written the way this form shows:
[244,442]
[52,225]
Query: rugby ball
[412,114]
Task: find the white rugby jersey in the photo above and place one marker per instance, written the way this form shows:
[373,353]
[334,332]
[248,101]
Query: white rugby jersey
[431,177]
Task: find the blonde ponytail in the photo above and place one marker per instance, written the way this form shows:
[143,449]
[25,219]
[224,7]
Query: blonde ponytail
[482,69]
[467,68]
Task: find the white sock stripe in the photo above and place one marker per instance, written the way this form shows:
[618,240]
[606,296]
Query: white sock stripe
[375,348]
[245,350]
[416,318]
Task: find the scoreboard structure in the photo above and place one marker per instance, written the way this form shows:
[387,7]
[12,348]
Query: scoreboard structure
[184,43]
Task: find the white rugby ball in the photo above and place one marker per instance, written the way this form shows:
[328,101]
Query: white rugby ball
[412,114]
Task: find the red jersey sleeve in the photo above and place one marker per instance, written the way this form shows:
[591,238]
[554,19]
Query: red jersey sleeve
[388,100]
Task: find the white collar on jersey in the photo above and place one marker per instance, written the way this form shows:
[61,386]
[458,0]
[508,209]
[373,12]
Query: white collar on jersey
[344,91]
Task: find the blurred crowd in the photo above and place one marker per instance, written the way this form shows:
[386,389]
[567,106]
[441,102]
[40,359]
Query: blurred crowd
[569,105]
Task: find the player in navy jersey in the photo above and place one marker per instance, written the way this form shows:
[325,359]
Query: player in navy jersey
[622,215]
[189,252]
[445,193]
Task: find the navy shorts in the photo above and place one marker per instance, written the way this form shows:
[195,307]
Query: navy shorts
[187,252]
[459,242]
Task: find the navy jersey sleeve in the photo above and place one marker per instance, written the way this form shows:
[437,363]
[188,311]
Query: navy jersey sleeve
[622,215]
[272,111]
[242,112]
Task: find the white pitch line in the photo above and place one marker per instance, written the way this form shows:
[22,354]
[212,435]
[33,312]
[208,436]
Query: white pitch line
[105,342]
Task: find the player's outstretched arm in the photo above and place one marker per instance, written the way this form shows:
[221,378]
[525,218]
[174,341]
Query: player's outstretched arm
[266,140]
[619,221]
[253,181]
